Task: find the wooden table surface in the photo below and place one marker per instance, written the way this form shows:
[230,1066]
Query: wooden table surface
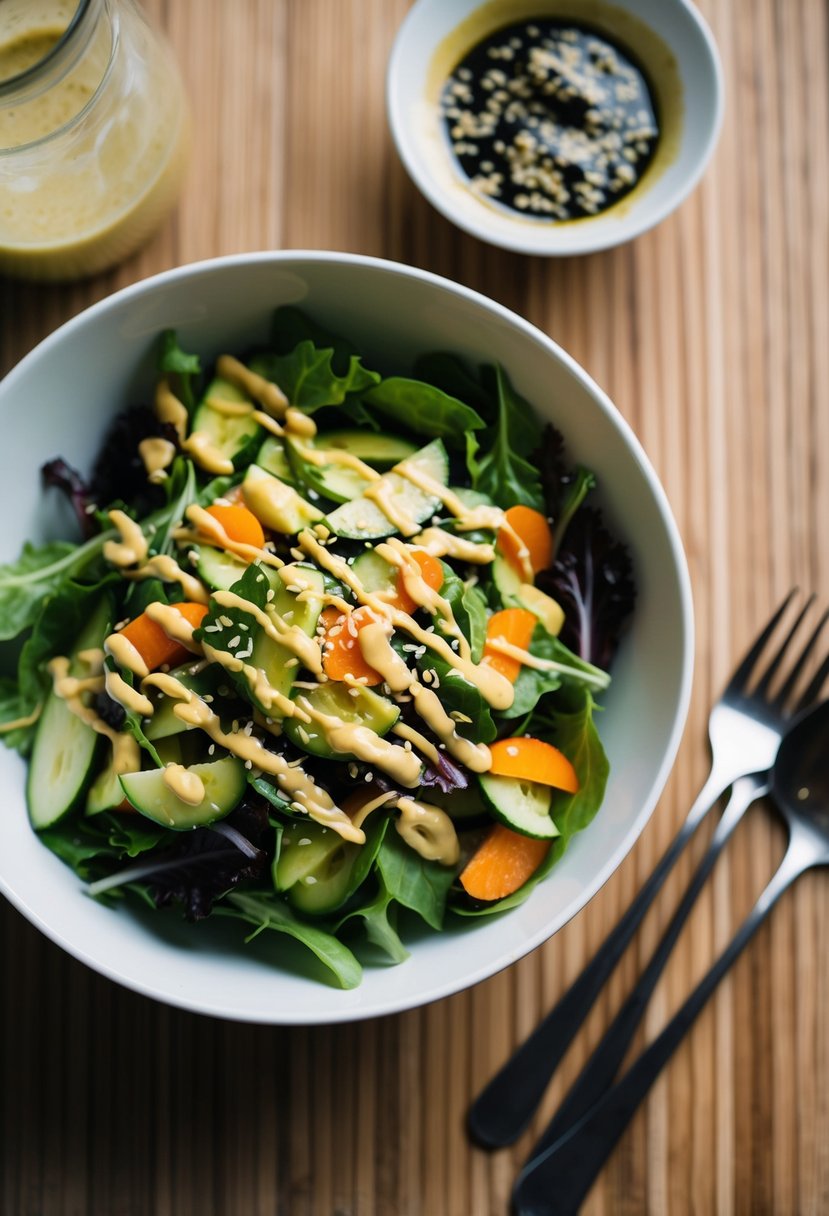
[711,334]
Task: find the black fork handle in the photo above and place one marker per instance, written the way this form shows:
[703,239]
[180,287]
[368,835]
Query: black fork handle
[505,1106]
[606,1060]
[556,1181]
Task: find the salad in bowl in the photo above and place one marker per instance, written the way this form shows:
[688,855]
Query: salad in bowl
[328,652]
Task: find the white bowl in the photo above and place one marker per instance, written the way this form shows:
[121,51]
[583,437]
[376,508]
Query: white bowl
[668,37]
[60,399]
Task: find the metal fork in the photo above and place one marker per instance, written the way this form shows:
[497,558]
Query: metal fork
[745,728]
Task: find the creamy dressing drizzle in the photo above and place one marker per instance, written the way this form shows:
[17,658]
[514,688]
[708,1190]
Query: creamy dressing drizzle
[268,394]
[276,627]
[169,571]
[257,681]
[324,456]
[131,548]
[126,754]
[447,544]
[174,624]
[292,780]
[157,456]
[169,409]
[428,830]
[126,655]
[209,528]
[360,741]
[206,454]
[494,687]
[469,518]
[384,497]
[184,783]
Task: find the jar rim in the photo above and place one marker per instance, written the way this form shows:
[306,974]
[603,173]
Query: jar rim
[32,74]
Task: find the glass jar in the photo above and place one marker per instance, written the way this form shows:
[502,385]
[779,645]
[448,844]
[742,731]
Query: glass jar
[93,135]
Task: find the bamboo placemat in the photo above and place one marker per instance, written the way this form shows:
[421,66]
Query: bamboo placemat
[712,336]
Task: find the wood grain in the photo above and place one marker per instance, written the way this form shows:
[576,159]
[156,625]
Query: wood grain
[712,335]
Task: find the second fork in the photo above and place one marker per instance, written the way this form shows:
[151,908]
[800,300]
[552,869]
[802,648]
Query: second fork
[745,728]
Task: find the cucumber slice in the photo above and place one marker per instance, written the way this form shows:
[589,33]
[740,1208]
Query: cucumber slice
[314,866]
[336,482]
[275,504]
[380,450]
[374,572]
[362,519]
[105,792]
[273,458]
[225,781]
[63,756]
[367,708]
[523,806]
[507,581]
[217,569]
[277,661]
[548,610]
[237,436]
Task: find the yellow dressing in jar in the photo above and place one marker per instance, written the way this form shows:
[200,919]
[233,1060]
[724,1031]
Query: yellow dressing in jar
[93,134]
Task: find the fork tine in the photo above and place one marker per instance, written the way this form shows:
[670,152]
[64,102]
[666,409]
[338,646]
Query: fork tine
[741,676]
[768,675]
[812,693]
[787,688]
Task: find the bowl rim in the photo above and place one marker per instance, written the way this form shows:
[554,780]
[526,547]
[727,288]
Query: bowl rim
[520,239]
[224,1008]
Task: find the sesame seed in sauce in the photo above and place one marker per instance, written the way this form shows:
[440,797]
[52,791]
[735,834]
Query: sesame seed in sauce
[550,121]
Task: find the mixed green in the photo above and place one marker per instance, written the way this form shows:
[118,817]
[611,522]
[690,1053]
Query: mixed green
[242,846]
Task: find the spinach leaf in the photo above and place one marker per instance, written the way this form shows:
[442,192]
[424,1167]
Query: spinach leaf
[424,409]
[308,379]
[184,367]
[266,911]
[378,916]
[572,729]
[469,608]
[504,472]
[40,572]
[290,326]
[533,683]
[472,619]
[449,373]
[414,882]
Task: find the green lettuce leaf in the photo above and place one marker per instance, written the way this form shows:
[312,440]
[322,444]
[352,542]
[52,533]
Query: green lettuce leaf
[504,472]
[417,884]
[308,379]
[267,911]
[415,405]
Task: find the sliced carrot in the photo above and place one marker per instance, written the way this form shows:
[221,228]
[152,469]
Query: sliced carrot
[341,654]
[502,863]
[533,531]
[513,625]
[431,572]
[153,644]
[239,523]
[533,760]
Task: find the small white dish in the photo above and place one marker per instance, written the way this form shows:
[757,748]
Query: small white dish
[667,37]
